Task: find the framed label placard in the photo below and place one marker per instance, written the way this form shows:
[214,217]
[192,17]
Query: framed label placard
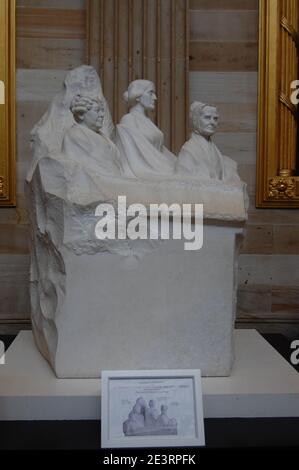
[151,408]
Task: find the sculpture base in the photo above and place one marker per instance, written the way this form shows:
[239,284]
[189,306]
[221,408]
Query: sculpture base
[156,306]
[262,384]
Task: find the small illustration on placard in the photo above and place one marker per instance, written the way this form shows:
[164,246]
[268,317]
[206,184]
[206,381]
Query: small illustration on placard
[145,420]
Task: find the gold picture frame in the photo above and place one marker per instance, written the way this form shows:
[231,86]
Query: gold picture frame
[7,103]
[276,183]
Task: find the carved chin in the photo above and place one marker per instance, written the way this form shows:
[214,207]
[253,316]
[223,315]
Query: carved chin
[209,132]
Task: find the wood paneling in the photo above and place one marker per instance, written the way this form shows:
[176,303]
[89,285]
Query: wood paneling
[61,4]
[15,215]
[286,239]
[237,117]
[228,25]
[274,216]
[14,239]
[40,53]
[14,292]
[254,302]
[269,304]
[247,174]
[38,85]
[223,56]
[50,23]
[224,5]
[28,113]
[147,39]
[10,216]
[273,270]
[285,302]
[50,38]
[258,239]
[238,145]
[223,87]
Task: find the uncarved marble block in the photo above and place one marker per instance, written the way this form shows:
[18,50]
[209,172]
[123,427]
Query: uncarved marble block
[167,308]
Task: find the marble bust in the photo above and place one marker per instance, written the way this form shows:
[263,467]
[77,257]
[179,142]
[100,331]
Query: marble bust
[140,141]
[199,156]
[85,143]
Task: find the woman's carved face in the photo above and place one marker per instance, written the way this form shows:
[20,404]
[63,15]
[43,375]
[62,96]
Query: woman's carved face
[93,117]
[148,99]
[207,121]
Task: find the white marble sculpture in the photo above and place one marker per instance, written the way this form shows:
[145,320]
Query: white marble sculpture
[47,135]
[124,304]
[199,156]
[141,142]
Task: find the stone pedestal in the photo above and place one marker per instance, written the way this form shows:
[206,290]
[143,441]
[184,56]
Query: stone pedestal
[261,384]
[168,308]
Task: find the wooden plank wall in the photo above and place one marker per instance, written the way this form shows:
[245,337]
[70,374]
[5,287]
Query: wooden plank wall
[50,40]
[148,39]
[223,71]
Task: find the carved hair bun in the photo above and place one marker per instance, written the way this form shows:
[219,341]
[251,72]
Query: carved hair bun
[197,105]
[126,96]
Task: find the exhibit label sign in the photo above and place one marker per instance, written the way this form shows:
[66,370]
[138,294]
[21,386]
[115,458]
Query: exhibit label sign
[152,408]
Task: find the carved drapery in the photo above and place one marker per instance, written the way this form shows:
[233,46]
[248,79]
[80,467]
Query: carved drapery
[131,39]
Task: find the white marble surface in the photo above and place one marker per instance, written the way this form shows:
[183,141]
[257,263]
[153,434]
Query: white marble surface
[199,156]
[156,307]
[140,141]
[262,384]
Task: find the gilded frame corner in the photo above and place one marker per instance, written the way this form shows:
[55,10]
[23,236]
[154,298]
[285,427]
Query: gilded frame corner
[7,103]
[276,183]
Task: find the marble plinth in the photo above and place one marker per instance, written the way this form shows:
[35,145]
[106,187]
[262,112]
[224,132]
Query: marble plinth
[152,306]
[262,384]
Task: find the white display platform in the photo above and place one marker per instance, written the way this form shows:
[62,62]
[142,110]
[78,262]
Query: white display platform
[262,384]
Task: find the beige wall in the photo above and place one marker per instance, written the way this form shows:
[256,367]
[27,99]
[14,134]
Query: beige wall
[223,71]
